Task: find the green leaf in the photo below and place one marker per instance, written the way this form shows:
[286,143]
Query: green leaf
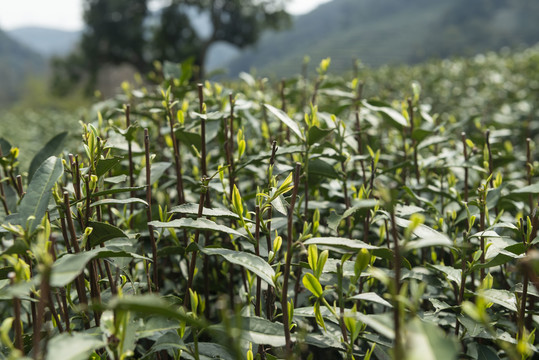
[157,170]
[426,236]
[428,342]
[262,331]
[103,232]
[371,297]
[249,261]
[76,346]
[335,219]
[500,297]
[530,189]
[155,324]
[18,247]
[116,179]
[105,165]
[195,224]
[189,139]
[119,202]
[192,209]
[36,200]
[388,113]
[316,134]
[485,352]
[381,323]
[5,146]
[340,242]
[52,148]
[68,267]
[312,284]
[209,351]
[153,305]
[281,115]
[319,167]
[451,273]
[117,191]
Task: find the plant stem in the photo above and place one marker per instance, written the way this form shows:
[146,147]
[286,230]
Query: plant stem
[192,263]
[464,149]
[149,209]
[43,299]
[79,282]
[523,300]
[20,187]
[341,302]
[529,171]
[17,327]
[462,278]
[177,159]
[230,147]
[286,273]
[414,142]
[2,193]
[202,129]
[396,306]
[257,252]
[130,157]
[358,129]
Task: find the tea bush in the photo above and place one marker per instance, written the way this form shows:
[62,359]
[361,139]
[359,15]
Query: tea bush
[391,214]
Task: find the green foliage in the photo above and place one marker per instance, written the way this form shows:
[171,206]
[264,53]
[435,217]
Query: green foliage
[403,237]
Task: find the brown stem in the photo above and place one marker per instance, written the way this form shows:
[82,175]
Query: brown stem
[257,253]
[464,147]
[482,229]
[54,313]
[341,302]
[202,129]
[43,299]
[359,140]
[490,163]
[523,300]
[130,157]
[2,193]
[230,144]
[286,273]
[192,263]
[17,315]
[20,188]
[414,142]
[65,310]
[79,282]
[149,209]
[529,171]
[396,305]
[462,278]
[177,160]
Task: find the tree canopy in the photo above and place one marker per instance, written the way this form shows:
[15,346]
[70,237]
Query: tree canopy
[125,31]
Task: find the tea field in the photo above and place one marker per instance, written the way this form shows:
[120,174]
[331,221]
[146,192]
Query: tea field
[382,214]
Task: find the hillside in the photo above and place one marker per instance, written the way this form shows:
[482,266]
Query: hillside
[391,32]
[45,41]
[17,62]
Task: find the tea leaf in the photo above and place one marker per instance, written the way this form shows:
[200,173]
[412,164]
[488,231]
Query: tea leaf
[36,200]
[249,261]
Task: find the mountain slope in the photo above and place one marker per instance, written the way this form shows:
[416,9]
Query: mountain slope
[17,62]
[392,31]
[45,41]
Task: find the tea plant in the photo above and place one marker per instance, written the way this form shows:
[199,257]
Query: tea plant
[297,221]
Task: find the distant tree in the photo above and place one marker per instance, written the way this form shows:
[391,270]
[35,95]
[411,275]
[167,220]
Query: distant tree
[114,32]
[237,22]
[123,31]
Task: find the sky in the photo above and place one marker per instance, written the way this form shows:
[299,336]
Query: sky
[67,14]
